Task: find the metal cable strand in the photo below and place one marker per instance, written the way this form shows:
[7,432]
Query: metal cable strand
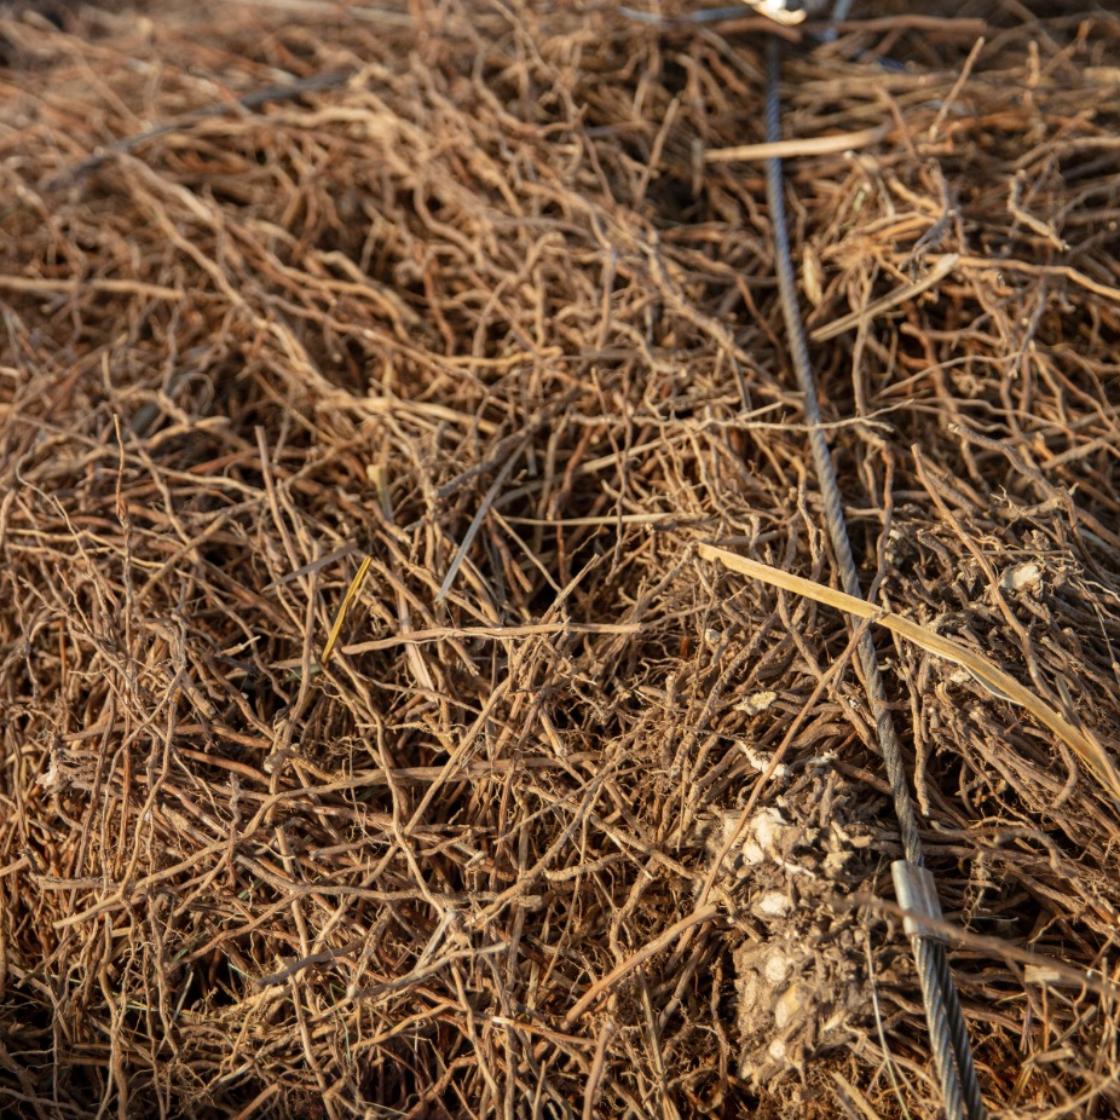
[948,1032]
[962,1049]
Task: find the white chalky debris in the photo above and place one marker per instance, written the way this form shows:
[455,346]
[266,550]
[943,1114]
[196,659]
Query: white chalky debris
[790,1002]
[776,968]
[774,904]
[761,762]
[767,826]
[756,702]
[778,11]
[1021,576]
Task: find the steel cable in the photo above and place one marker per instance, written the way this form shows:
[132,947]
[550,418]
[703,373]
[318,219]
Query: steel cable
[948,1031]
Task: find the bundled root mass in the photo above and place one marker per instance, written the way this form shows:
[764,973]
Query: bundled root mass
[486,319]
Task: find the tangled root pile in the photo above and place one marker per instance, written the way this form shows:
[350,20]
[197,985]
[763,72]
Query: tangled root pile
[488,308]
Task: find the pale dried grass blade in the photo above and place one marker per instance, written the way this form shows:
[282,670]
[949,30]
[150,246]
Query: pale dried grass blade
[940,270]
[985,671]
[789,149]
[344,607]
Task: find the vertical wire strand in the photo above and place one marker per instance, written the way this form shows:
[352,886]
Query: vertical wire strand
[948,1031]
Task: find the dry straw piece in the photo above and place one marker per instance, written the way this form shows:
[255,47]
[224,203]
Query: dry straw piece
[310,311]
[984,670]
